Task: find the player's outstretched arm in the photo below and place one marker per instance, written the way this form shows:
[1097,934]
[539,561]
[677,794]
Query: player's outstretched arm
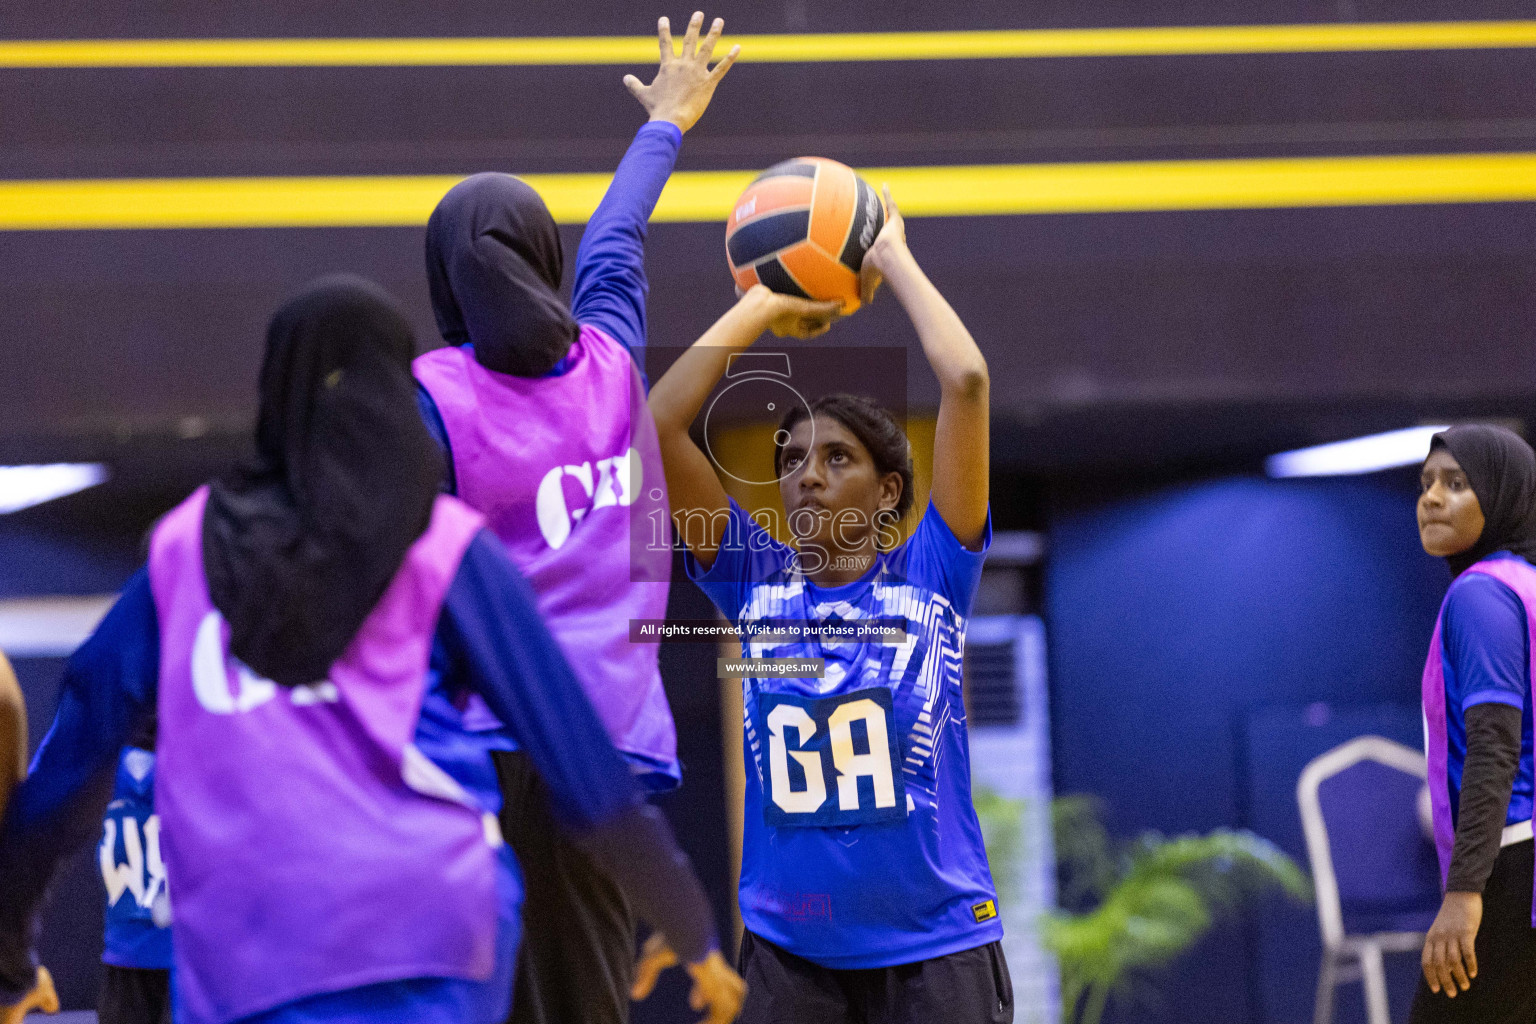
[610,284]
[960,443]
[676,398]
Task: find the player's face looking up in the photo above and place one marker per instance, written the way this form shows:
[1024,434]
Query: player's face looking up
[1450,519]
[831,488]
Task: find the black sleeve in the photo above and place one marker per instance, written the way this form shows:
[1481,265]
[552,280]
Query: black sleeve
[1487,778]
[639,852]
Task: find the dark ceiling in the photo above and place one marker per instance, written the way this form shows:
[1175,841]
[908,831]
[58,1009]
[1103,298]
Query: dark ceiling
[1119,343]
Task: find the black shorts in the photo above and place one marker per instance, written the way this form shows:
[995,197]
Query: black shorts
[968,987]
[1504,991]
[578,953]
[132,996]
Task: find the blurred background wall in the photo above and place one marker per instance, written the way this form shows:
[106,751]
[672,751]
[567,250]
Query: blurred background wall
[1185,619]
[1143,362]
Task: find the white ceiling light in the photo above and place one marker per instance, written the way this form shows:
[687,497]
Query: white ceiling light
[24,486]
[49,627]
[1357,455]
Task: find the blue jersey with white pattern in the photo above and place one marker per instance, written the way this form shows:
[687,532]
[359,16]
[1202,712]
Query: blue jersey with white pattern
[133,870]
[861,845]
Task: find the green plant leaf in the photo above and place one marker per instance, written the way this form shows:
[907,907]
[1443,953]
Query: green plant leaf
[1156,898]
[1002,829]
[1084,856]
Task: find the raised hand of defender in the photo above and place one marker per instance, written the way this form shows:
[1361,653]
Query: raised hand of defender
[716,987]
[891,241]
[685,83]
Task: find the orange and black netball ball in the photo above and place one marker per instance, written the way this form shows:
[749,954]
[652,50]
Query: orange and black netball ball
[802,228]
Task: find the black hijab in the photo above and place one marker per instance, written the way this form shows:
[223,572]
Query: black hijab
[493,266]
[1501,468]
[300,543]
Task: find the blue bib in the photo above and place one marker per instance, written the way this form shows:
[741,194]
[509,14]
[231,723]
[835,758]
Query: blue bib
[133,871]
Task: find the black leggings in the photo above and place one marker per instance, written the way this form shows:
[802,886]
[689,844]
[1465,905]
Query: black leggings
[578,953]
[131,996]
[968,987]
[1504,991]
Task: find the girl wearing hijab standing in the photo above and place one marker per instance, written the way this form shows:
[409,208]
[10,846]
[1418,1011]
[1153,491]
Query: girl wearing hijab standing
[541,409]
[1477,509]
[307,630]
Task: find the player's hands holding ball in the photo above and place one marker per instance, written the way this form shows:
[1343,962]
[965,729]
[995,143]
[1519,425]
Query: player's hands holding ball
[684,84]
[789,316]
[889,246]
[716,987]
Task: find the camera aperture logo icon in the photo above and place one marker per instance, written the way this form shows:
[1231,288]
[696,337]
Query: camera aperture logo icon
[759,389]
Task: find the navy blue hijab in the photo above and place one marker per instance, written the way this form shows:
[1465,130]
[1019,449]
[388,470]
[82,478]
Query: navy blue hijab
[300,542]
[494,264]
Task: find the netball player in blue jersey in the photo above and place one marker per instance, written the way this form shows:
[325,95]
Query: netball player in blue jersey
[865,889]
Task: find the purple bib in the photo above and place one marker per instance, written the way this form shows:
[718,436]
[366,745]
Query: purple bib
[1519,576]
[314,848]
[568,473]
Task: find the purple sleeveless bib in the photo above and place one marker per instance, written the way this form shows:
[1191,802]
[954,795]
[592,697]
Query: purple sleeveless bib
[1519,576]
[568,473]
[314,848]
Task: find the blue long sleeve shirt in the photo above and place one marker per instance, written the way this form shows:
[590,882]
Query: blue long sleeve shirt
[1486,661]
[610,288]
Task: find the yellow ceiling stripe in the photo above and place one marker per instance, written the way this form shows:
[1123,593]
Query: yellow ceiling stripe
[853,46]
[702,196]
[1213,184]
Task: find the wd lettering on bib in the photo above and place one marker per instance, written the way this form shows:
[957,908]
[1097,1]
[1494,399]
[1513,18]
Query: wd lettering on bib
[832,761]
[136,933]
[141,875]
